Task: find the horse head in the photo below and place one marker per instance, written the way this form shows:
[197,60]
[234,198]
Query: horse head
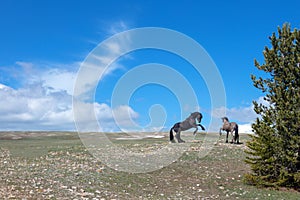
[225,119]
[197,115]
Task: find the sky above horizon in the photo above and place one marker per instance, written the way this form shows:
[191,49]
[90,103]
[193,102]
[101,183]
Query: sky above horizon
[44,44]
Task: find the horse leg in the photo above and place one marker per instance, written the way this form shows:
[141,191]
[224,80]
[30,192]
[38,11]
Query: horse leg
[202,127]
[237,139]
[227,136]
[178,137]
[196,130]
[237,134]
[232,137]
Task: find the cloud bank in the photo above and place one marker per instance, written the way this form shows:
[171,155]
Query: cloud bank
[244,116]
[42,106]
[44,102]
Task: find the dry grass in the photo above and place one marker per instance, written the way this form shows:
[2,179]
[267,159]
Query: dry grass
[56,165]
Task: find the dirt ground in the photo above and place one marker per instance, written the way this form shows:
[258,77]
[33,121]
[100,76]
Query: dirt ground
[56,165]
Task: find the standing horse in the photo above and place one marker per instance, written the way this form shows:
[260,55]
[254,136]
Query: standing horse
[230,127]
[188,123]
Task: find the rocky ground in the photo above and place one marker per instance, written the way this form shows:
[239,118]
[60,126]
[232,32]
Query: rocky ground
[58,166]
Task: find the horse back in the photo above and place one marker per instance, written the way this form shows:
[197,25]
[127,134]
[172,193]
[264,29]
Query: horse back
[185,125]
[233,124]
[176,126]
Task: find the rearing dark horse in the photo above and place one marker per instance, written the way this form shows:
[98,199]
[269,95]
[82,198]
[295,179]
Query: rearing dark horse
[188,123]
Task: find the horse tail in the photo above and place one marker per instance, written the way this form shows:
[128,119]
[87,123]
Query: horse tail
[236,129]
[175,128]
[236,133]
[171,134]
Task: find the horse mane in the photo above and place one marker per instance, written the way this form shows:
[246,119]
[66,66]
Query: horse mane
[194,114]
[226,118]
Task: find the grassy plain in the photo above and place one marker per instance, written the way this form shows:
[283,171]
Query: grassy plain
[56,165]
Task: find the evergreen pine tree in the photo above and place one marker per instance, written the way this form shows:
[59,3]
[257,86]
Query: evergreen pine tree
[274,150]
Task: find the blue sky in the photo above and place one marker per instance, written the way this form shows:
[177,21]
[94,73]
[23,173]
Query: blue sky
[43,44]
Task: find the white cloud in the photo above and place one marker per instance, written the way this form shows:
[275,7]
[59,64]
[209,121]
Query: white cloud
[245,128]
[117,27]
[124,116]
[37,108]
[245,116]
[101,62]
[54,76]
[59,80]
[26,66]
[42,97]
[242,114]
[3,87]
[28,108]
[100,117]
[262,101]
